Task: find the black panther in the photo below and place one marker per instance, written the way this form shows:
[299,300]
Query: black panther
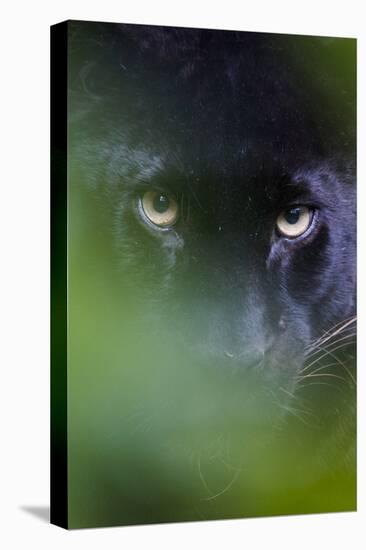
[221,169]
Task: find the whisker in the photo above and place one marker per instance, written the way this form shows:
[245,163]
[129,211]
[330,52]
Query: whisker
[338,327]
[320,368]
[212,495]
[294,412]
[331,354]
[201,475]
[328,334]
[320,348]
[303,377]
[331,365]
[343,322]
[314,351]
[288,393]
[234,478]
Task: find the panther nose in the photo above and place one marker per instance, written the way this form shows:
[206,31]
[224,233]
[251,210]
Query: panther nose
[249,359]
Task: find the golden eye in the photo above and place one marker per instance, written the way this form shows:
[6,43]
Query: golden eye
[293,222]
[159,208]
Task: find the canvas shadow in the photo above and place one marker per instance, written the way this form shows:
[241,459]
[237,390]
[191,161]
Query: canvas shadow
[40,512]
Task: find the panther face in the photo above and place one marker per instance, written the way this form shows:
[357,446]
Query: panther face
[212,268]
[231,207]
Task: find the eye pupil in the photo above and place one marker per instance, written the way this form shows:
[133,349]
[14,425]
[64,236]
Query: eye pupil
[161,209]
[292,215]
[161,203]
[294,221]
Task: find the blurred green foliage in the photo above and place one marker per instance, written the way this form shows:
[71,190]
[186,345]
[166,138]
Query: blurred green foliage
[152,436]
[155,437]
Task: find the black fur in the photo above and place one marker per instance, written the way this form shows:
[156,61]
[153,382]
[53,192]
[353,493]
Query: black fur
[237,127]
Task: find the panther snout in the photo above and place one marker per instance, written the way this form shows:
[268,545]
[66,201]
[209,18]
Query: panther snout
[251,360]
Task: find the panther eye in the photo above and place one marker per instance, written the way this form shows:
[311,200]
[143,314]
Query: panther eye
[293,222]
[159,208]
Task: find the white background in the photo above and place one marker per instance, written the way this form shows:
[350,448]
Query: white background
[24,273]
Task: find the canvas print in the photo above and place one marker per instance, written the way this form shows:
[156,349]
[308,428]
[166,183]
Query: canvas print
[203,274]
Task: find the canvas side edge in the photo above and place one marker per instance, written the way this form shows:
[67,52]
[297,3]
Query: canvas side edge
[59,463]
